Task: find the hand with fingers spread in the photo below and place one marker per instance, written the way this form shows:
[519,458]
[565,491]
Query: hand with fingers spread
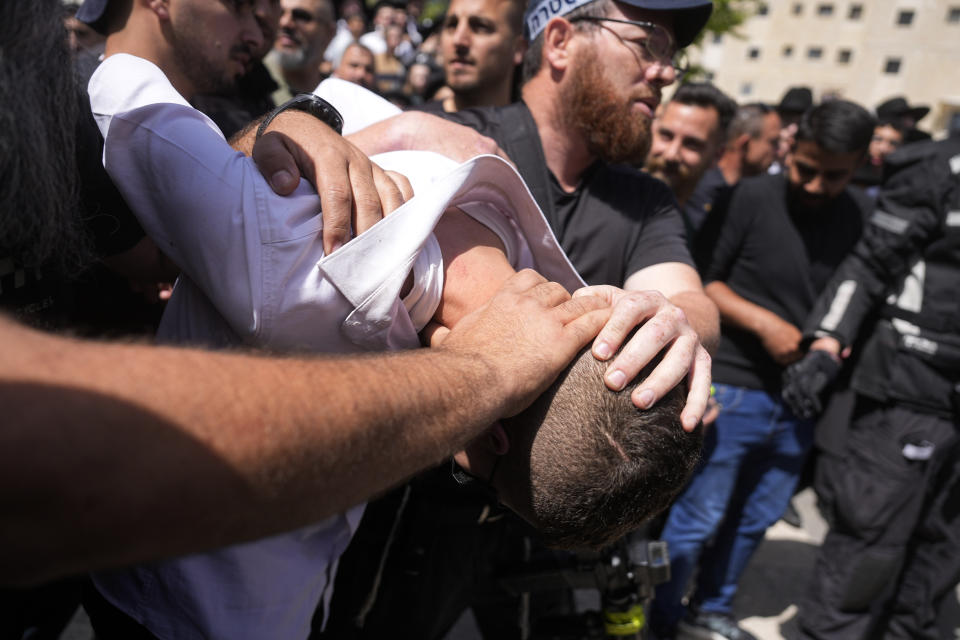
[526,335]
[354,192]
[664,328]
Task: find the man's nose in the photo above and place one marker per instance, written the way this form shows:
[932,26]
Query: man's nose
[672,151]
[268,17]
[461,35]
[253,35]
[814,185]
[286,18]
[660,73]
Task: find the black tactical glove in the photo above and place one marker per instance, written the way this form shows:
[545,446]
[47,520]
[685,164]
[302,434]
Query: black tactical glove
[805,380]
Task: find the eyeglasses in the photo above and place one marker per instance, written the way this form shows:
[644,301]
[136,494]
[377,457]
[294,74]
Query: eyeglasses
[657,45]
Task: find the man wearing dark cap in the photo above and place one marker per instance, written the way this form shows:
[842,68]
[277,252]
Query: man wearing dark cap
[897,108]
[593,75]
[794,103]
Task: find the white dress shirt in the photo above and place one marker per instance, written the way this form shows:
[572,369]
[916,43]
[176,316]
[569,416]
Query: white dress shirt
[254,272]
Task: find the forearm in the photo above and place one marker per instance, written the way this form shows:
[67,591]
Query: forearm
[392,134]
[703,316]
[737,311]
[206,449]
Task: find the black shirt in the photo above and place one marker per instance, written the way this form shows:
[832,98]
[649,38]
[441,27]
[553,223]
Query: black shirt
[776,258]
[618,220]
[705,195]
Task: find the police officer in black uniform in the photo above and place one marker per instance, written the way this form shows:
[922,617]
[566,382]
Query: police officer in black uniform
[893,552]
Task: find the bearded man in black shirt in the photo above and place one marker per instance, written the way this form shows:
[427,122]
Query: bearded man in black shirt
[764,256]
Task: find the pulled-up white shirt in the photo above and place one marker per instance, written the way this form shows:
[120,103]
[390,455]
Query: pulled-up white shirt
[254,272]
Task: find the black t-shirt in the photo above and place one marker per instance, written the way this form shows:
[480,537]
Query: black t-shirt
[705,195]
[775,258]
[618,220]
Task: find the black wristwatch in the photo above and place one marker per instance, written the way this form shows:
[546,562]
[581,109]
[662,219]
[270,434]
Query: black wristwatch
[312,104]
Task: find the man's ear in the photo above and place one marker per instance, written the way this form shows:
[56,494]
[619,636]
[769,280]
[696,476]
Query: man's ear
[740,142]
[497,439]
[557,38]
[161,8]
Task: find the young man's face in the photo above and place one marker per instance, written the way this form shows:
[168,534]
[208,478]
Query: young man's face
[885,141]
[306,27]
[761,151]
[479,46]
[816,176]
[214,42]
[686,140]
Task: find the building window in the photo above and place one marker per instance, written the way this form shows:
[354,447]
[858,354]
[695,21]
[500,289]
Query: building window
[856,12]
[753,53]
[763,9]
[825,10]
[746,88]
[905,18]
[797,8]
[717,38]
[953,15]
[710,75]
[892,66]
[787,51]
[844,56]
[815,53]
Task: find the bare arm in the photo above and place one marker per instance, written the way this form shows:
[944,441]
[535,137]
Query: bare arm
[780,338]
[113,454]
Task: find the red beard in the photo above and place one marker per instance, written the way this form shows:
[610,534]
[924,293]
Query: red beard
[596,109]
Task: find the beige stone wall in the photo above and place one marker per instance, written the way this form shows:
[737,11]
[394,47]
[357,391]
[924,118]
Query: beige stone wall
[929,50]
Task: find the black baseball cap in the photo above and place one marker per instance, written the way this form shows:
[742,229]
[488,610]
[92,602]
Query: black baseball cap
[91,12]
[689,16]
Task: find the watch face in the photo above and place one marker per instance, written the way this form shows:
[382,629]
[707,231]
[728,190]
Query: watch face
[312,104]
[330,115]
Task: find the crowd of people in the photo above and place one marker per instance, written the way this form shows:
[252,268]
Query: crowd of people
[660,308]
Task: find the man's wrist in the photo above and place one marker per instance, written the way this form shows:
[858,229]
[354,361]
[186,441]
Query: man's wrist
[310,104]
[828,344]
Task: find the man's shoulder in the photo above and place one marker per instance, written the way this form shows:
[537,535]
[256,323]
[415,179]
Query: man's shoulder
[764,184]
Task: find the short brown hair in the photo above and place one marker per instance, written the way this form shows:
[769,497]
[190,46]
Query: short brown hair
[598,467]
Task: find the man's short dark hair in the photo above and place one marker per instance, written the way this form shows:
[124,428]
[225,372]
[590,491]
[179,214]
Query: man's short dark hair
[706,95]
[837,126]
[598,467]
[748,119]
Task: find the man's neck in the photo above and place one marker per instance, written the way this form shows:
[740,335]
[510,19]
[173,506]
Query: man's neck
[129,40]
[730,166]
[498,96]
[564,149]
[682,194]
